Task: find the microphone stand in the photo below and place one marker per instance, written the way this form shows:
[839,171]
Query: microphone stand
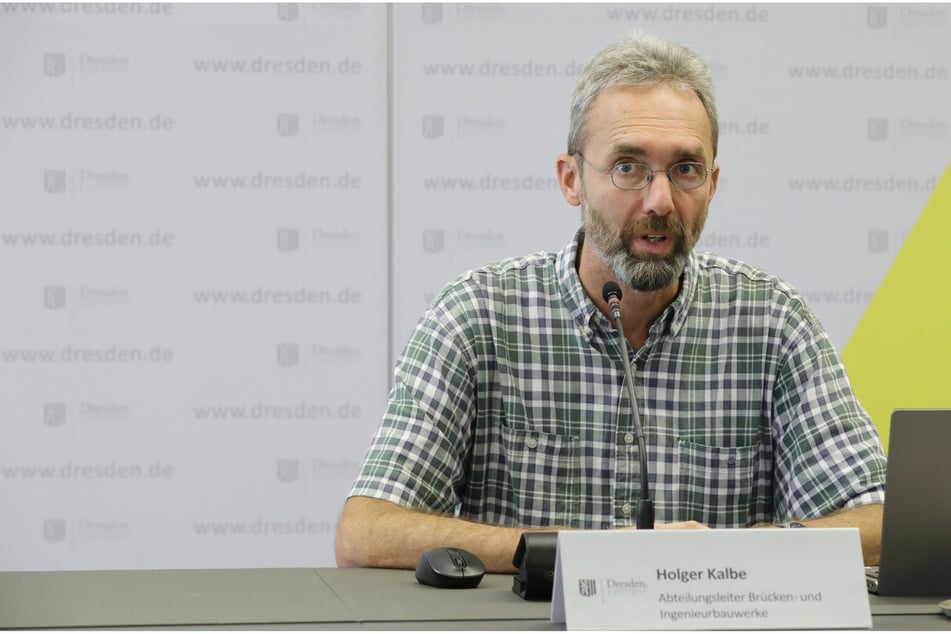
[644,515]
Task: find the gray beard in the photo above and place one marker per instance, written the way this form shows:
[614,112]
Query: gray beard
[637,271]
[645,275]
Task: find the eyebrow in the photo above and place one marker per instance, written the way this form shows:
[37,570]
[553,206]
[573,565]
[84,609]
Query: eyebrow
[693,153]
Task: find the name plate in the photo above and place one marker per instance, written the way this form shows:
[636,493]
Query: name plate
[733,579]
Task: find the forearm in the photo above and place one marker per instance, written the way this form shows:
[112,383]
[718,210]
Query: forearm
[867,518]
[378,534]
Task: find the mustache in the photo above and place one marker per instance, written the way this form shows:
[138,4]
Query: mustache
[652,223]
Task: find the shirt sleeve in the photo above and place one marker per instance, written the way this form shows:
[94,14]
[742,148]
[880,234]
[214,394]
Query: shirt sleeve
[828,451]
[417,456]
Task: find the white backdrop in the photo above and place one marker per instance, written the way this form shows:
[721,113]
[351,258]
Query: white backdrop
[219,224]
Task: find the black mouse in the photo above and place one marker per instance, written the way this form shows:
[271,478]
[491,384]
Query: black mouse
[449,567]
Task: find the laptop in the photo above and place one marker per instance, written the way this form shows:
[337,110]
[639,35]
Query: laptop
[916,525]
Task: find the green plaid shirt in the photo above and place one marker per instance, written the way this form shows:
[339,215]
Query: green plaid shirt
[509,405]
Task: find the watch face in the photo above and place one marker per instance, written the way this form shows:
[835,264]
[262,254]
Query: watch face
[793,525]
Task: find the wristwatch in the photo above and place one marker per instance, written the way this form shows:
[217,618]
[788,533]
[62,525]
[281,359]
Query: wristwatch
[792,525]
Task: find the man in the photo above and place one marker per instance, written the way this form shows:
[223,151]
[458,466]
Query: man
[509,410]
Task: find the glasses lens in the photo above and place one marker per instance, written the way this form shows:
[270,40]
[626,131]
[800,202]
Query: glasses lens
[630,176]
[688,175]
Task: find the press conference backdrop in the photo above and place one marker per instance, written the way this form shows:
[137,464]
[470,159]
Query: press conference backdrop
[221,222]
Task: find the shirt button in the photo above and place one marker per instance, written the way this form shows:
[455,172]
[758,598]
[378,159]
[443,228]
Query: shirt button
[531,443]
[626,508]
[629,438]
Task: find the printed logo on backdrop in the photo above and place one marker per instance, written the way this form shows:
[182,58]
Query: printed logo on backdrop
[461,12]
[719,70]
[288,11]
[587,587]
[316,124]
[344,469]
[433,126]
[908,16]
[86,181]
[320,469]
[85,530]
[288,240]
[877,16]
[907,130]
[54,181]
[288,355]
[318,12]
[431,13]
[86,297]
[288,124]
[318,239]
[87,65]
[463,126]
[54,531]
[54,64]
[878,129]
[57,413]
[311,355]
[288,469]
[434,240]
[54,297]
[877,241]
[922,15]
[54,413]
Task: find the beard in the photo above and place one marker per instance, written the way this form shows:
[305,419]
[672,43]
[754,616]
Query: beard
[642,271]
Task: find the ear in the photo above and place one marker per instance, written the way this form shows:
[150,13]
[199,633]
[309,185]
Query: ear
[714,179]
[569,179]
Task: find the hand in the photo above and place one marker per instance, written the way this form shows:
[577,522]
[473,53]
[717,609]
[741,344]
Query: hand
[690,524]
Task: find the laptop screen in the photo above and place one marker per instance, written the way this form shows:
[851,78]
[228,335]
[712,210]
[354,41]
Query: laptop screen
[916,527]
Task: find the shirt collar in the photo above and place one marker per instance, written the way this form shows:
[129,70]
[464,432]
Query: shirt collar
[587,316]
[676,314]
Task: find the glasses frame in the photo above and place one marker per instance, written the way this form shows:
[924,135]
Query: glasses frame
[650,174]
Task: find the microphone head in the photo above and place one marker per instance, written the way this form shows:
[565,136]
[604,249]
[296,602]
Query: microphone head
[611,292]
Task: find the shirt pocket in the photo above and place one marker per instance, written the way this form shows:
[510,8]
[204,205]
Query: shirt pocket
[716,484]
[544,472]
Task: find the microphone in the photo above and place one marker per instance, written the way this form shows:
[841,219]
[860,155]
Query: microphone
[644,517]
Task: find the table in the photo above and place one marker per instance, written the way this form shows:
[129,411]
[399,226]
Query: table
[304,598]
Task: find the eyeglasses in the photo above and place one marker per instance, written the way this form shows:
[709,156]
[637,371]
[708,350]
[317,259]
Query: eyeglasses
[633,176]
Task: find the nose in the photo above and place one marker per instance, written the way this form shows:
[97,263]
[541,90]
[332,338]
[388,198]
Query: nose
[658,196]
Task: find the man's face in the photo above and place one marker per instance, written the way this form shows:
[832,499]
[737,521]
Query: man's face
[645,236]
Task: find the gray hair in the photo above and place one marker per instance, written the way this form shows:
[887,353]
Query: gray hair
[640,60]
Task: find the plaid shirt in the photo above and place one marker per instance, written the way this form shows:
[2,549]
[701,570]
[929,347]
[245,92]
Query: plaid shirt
[510,407]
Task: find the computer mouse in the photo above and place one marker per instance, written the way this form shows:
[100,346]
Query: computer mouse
[945,607]
[449,567]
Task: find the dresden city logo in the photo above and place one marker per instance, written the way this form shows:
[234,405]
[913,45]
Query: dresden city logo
[288,123]
[54,531]
[288,355]
[54,297]
[54,413]
[587,587]
[877,241]
[877,16]
[288,240]
[878,129]
[54,64]
[432,12]
[288,469]
[287,11]
[54,181]
[433,125]
[434,240]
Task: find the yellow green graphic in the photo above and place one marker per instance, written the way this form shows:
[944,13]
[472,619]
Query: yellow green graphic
[899,355]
